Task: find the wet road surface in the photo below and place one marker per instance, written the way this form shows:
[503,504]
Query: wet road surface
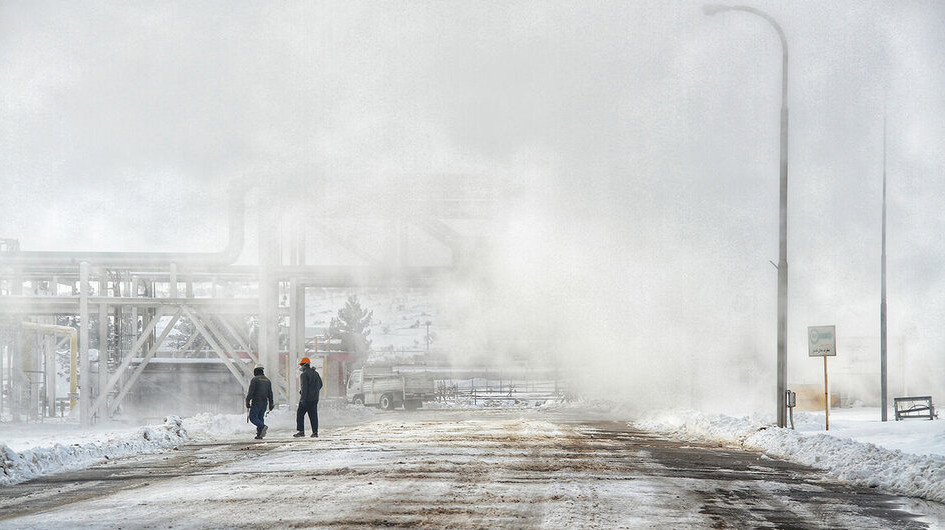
[456,469]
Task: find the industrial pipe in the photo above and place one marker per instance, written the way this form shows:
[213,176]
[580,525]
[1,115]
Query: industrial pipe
[227,256]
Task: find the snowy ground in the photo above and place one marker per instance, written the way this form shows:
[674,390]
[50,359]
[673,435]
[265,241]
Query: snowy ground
[213,427]
[492,468]
[904,457]
[28,451]
[360,443]
[913,436]
[44,449]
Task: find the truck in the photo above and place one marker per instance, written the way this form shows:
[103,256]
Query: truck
[385,388]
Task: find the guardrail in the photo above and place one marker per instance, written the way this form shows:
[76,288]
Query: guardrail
[480,391]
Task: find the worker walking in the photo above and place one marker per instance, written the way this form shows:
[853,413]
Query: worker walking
[258,398]
[311,385]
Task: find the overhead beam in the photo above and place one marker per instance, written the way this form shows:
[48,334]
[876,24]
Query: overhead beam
[69,305]
[229,254]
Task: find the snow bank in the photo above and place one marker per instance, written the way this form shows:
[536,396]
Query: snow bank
[848,460]
[31,454]
[43,460]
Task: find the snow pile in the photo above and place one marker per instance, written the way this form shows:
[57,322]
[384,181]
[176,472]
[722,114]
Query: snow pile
[37,461]
[918,437]
[856,462]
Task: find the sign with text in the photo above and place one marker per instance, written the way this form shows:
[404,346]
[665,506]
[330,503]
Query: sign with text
[821,341]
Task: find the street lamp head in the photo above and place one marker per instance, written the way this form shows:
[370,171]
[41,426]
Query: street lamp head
[711,9]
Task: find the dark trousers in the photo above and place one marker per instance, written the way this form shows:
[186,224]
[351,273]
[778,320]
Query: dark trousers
[257,414]
[310,407]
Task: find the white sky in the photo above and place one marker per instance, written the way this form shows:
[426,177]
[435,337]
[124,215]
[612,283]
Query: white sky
[637,144]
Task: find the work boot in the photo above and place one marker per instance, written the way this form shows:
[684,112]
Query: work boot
[314,435]
[299,434]
[263,433]
[258,437]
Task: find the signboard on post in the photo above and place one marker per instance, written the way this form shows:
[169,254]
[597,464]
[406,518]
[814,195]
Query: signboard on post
[822,341]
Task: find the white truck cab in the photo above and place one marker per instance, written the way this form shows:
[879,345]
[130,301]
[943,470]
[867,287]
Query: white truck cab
[387,389]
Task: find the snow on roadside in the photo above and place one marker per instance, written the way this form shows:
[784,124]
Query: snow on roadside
[20,466]
[844,459]
[34,452]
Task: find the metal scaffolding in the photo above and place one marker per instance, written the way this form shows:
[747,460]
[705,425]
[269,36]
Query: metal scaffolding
[237,313]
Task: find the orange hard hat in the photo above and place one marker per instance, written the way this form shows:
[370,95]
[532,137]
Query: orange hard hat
[304,360]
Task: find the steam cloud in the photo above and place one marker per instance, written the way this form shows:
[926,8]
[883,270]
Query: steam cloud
[632,148]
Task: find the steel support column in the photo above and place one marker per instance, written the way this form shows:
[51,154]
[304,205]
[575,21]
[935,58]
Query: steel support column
[85,390]
[102,353]
[268,336]
[172,282]
[50,370]
[296,336]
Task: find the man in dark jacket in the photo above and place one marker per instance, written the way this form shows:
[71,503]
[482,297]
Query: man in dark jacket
[311,385]
[257,399]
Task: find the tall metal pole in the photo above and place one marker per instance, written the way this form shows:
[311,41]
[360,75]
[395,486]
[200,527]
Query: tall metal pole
[102,353]
[428,336]
[85,387]
[882,303]
[782,226]
[50,374]
[268,333]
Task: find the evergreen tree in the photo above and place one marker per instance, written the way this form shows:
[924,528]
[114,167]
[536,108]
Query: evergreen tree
[350,327]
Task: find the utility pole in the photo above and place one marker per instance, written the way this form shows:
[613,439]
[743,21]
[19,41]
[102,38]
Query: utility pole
[882,303]
[782,224]
[428,335]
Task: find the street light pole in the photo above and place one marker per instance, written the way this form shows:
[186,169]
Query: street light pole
[782,228]
[882,305]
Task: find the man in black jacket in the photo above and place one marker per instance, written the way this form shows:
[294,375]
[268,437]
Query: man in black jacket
[257,399]
[311,385]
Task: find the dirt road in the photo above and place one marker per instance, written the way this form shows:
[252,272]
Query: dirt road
[460,469]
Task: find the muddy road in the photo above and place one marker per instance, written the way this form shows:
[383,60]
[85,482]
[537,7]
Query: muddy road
[457,469]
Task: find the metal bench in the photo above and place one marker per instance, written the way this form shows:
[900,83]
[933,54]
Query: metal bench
[915,407]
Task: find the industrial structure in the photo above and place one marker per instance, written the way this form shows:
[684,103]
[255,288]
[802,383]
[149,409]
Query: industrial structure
[115,310]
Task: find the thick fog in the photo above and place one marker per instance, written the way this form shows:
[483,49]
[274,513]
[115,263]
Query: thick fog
[631,147]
